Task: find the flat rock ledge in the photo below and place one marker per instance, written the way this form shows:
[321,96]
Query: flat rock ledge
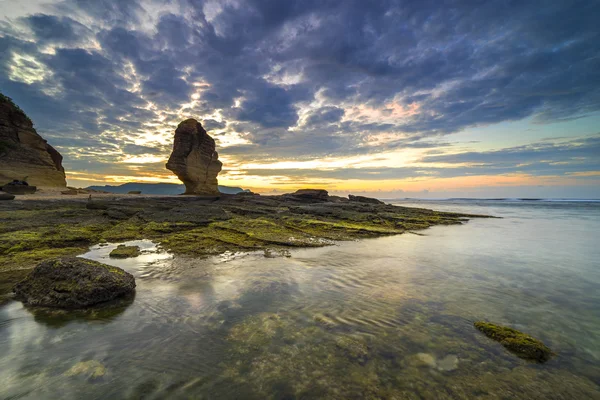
[73,283]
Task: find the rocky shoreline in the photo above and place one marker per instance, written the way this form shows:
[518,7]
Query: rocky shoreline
[32,231]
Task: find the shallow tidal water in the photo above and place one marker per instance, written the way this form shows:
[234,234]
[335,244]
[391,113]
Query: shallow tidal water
[381,318]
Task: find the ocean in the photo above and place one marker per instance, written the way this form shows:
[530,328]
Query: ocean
[388,318]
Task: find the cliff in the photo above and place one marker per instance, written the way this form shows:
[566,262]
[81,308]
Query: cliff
[25,155]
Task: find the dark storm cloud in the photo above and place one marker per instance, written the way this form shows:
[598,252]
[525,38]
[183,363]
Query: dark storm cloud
[325,115]
[211,124]
[53,29]
[459,64]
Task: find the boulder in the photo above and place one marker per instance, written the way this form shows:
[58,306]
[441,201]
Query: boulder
[73,283]
[6,196]
[519,343]
[18,187]
[194,159]
[123,251]
[311,194]
[25,155]
[363,199]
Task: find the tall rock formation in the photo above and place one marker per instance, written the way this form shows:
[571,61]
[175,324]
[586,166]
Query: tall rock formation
[194,159]
[25,155]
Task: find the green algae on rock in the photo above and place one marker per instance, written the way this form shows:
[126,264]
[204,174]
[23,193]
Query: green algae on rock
[519,343]
[123,251]
[73,283]
[195,226]
[91,369]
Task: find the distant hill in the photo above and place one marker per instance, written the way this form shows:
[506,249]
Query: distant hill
[157,188]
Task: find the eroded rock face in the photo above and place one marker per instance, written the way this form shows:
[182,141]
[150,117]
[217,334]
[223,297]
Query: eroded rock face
[73,283]
[194,159]
[25,155]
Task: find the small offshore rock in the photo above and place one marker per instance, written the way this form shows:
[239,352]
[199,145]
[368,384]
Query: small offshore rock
[73,283]
[134,192]
[6,196]
[91,369]
[123,251]
[363,199]
[519,343]
[319,195]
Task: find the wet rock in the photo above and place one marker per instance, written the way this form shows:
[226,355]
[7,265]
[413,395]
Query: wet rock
[194,159]
[72,282]
[116,214]
[96,205]
[134,192]
[25,155]
[363,199]
[6,196]
[270,253]
[448,363]
[123,251]
[519,343]
[92,370]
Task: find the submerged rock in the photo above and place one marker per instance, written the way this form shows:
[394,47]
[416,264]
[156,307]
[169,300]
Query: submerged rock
[90,369]
[194,159]
[448,363]
[73,283]
[354,349]
[123,251]
[23,153]
[519,343]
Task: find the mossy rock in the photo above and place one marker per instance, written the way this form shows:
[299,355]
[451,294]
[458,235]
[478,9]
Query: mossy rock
[73,283]
[123,251]
[519,343]
[93,370]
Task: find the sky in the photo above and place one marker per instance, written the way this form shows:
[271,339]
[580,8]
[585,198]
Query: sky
[398,98]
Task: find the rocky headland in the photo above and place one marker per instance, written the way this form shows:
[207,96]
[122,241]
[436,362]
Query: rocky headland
[24,154]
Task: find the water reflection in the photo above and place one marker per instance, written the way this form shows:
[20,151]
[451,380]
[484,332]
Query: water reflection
[380,318]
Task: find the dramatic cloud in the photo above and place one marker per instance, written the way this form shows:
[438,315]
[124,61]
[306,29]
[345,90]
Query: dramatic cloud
[298,80]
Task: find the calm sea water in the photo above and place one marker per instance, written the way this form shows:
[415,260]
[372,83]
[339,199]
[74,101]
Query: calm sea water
[381,318]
